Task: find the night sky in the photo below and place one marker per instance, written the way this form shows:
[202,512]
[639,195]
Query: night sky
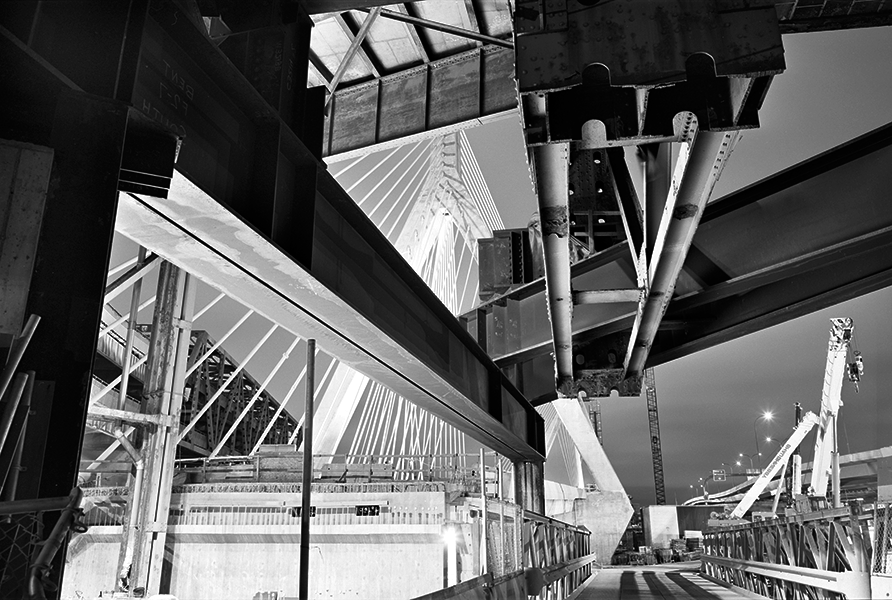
[837,85]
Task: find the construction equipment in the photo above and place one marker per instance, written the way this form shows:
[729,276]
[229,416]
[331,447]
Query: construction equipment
[825,461]
[780,459]
[826,458]
[650,388]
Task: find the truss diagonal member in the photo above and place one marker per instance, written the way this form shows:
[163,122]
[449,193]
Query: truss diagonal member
[351,52]
[113,383]
[124,317]
[334,410]
[694,181]
[275,417]
[225,385]
[109,450]
[444,28]
[320,384]
[208,306]
[219,343]
[254,398]
[124,265]
[131,276]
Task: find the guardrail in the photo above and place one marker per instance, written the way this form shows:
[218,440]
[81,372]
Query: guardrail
[240,515]
[462,469]
[826,554]
[556,557]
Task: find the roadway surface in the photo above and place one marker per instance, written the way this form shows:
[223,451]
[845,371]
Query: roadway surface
[652,582]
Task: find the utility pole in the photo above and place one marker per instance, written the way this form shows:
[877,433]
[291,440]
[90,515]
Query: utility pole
[307,479]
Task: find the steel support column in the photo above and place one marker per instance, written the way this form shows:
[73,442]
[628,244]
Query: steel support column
[142,557]
[550,164]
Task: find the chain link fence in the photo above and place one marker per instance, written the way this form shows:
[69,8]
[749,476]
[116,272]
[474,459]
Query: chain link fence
[19,535]
[882,535]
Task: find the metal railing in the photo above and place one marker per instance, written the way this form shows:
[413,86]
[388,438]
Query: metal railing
[290,516]
[826,554]
[462,469]
[556,561]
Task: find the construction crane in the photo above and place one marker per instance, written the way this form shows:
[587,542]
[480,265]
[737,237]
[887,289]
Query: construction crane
[650,388]
[779,460]
[594,414]
[826,459]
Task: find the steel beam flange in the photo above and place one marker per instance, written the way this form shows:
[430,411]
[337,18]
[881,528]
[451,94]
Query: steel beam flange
[616,73]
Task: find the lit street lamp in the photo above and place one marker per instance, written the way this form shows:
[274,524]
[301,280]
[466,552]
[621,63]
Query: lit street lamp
[766,416]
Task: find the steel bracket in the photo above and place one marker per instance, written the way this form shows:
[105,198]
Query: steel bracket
[600,383]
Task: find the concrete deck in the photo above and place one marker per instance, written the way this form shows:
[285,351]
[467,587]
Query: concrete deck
[651,582]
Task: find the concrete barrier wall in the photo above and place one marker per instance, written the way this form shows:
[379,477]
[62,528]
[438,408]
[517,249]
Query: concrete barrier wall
[231,545]
[91,569]
[236,571]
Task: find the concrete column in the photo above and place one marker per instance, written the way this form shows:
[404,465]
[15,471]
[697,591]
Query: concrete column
[529,486]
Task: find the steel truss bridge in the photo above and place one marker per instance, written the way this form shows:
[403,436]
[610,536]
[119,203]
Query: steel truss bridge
[186,127]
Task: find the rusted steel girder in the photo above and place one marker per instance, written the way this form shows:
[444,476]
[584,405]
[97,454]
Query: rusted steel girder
[601,75]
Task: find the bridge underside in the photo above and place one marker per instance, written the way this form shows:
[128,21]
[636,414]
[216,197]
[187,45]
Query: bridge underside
[824,229]
[190,122]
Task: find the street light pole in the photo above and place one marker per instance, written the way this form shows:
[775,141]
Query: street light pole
[749,456]
[767,416]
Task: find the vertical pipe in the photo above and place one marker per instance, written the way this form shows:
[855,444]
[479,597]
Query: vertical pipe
[307,478]
[131,332]
[483,561]
[796,484]
[837,500]
[133,525]
[501,515]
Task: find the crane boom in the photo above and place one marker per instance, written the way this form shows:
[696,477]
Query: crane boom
[799,433]
[841,333]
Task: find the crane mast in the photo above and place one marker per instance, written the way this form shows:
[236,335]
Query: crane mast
[653,419]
